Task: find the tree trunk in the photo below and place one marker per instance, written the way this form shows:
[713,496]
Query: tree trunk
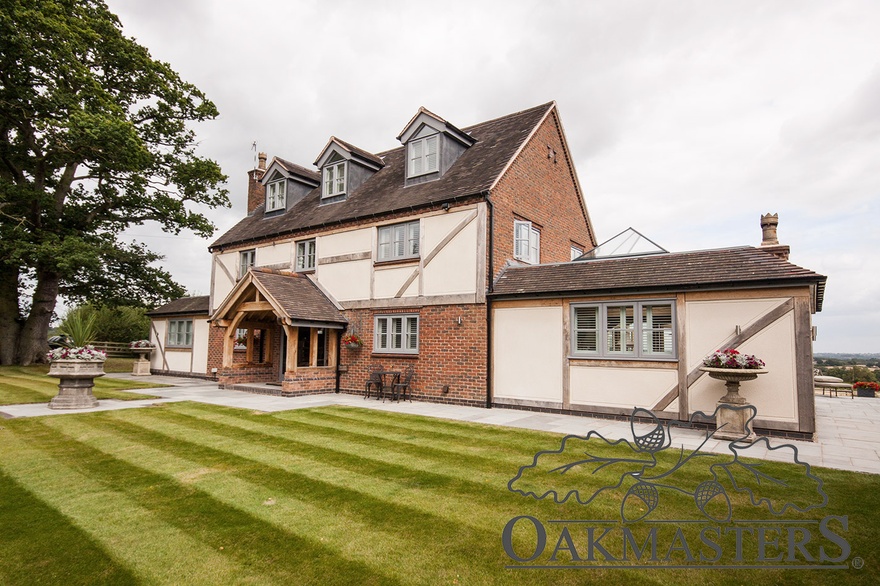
[34,342]
[10,318]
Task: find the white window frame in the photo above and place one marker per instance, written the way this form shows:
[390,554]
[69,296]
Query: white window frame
[179,334]
[246,260]
[637,335]
[526,242]
[306,255]
[398,241]
[576,252]
[421,159]
[333,185]
[396,333]
[276,195]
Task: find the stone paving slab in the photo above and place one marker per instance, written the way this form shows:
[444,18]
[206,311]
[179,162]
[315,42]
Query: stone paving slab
[848,430]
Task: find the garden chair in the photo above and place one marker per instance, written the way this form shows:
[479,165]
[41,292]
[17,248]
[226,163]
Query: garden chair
[374,381]
[403,386]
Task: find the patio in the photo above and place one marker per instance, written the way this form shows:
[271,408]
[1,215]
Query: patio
[848,436]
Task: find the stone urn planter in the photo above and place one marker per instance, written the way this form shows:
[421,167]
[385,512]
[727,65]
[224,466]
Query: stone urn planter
[77,380]
[733,411]
[142,348]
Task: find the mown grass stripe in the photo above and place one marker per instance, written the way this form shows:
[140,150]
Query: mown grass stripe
[253,545]
[48,466]
[27,557]
[18,394]
[287,510]
[353,481]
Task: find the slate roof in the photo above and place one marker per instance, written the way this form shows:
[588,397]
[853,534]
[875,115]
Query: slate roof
[299,169]
[298,296]
[704,269]
[357,151]
[184,305]
[473,173]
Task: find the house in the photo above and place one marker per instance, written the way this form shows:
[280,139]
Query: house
[453,254]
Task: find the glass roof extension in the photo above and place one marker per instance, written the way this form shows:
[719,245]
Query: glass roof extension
[630,242]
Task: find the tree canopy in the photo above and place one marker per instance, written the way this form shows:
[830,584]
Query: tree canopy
[95,136]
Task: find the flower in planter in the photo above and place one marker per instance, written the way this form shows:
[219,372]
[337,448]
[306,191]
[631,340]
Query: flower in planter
[140,344]
[84,353]
[867,386]
[731,358]
[352,340]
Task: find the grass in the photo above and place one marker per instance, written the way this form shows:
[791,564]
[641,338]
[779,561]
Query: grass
[187,493]
[30,384]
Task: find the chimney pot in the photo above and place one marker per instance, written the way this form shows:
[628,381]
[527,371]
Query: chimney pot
[770,242]
[262,157]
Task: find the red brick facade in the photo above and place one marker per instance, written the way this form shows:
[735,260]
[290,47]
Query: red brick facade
[540,187]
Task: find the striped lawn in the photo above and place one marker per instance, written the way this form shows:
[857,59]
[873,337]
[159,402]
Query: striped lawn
[30,384]
[186,493]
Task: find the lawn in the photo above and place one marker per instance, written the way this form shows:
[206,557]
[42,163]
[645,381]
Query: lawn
[30,384]
[187,493]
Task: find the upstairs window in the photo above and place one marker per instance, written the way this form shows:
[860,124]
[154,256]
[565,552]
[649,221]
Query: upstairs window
[526,242]
[276,196]
[305,255]
[576,252]
[246,259]
[334,179]
[643,329]
[399,241]
[423,156]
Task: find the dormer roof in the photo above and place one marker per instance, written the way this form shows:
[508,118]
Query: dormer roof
[290,170]
[425,117]
[348,152]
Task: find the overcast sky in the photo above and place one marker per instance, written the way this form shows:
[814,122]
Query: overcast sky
[686,120]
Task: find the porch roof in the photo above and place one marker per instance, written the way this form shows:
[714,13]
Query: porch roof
[294,297]
[183,306]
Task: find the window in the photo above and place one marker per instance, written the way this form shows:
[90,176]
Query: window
[246,259]
[305,255]
[305,338]
[576,251]
[180,332]
[276,195]
[526,242]
[423,156]
[334,179]
[397,334]
[399,241]
[642,329]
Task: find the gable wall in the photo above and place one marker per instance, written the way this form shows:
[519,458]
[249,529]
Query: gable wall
[535,188]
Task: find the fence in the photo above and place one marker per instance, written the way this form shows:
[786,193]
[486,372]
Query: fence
[114,349]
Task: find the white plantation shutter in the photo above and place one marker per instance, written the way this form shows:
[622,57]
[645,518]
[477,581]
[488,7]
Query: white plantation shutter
[328,181]
[521,239]
[340,178]
[400,241]
[535,246]
[413,239]
[431,157]
[415,158]
[586,326]
[412,333]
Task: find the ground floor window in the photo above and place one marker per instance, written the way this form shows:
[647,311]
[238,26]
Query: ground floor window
[637,329]
[180,332]
[398,334]
[306,338]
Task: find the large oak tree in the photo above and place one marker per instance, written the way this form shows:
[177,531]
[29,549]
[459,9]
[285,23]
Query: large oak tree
[95,136]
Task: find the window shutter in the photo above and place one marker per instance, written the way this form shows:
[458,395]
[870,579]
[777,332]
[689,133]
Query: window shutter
[415,158]
[340,178]
[535,246]
[399,240]
[431,153]
[328,181]
[413,244]
[521,239]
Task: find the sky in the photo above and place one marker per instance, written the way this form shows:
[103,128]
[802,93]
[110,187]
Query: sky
[686,120]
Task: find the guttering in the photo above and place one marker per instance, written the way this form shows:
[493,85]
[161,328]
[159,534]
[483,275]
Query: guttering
[491,210]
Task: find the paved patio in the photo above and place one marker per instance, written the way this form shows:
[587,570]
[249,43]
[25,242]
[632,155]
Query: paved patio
[848,435]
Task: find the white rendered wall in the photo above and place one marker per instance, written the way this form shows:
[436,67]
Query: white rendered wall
[528,353]
[623,386]
[223,284]
[454,269]
[280,255]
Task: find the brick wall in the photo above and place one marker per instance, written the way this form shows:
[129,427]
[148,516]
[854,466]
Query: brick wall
[541,190]
[450,355]
[241,371]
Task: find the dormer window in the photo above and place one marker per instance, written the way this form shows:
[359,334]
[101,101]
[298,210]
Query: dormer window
[276,196]
[423,156]
[334,179]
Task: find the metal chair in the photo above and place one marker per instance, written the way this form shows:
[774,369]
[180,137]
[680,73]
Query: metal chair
[375,380]
[403,386]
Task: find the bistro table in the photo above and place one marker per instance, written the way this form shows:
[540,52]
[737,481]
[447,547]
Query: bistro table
[384,375]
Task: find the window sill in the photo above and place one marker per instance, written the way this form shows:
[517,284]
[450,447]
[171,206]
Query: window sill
[304,271]
[412,260]
[178,348]
[375,354]
[625,362]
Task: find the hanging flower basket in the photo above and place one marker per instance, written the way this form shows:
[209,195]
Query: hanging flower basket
[352,341]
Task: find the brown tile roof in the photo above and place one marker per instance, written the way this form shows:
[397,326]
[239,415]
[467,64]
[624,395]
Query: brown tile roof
[299,170]
[184,305]
[298,296]
[472,174]
[682,271]
[359,151]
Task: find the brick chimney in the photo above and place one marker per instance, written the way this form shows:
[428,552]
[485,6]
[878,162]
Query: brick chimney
[770,242]
[256,190]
